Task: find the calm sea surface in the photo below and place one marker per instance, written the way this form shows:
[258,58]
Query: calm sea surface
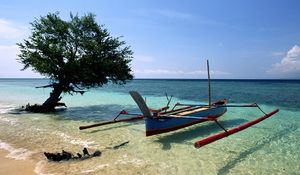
[270,147]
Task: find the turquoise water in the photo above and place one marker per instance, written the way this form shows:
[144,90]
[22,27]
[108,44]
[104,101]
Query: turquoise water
[270,147]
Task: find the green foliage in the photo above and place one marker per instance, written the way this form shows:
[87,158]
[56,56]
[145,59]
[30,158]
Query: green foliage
[78,52]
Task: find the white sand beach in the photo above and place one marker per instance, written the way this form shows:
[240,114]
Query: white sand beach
[15,167]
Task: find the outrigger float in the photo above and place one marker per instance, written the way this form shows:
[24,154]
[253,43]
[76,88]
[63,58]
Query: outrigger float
[183,115]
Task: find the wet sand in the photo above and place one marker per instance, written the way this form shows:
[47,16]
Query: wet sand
[15,167]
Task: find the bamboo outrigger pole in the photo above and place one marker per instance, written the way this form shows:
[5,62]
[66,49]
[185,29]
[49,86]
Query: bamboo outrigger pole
[209,90]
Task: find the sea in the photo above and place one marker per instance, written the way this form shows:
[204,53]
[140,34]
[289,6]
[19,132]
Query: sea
[270,147]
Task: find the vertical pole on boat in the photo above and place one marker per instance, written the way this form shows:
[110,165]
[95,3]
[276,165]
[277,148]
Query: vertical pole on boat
[209,90]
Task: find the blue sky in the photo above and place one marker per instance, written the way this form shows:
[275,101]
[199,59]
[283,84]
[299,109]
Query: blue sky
[172,39]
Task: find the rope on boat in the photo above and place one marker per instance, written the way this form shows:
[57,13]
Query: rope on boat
[122,112]
[221,126]
[169,101]
[260,109]
[239,128]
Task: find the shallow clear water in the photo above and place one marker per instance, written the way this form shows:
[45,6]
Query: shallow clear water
[270,147]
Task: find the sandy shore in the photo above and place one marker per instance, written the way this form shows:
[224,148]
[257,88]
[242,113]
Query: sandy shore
[15,167]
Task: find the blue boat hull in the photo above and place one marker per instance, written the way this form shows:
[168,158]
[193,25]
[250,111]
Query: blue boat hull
[163,124]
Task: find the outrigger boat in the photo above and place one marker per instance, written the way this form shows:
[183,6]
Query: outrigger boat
[161,122]
[183,115]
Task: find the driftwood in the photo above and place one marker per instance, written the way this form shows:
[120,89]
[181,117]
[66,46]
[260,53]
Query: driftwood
[119,146]
[64,155]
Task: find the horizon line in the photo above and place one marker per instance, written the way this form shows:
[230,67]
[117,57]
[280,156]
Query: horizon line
[176,78]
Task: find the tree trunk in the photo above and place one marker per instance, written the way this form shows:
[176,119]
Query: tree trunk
[50,104]
[53,100]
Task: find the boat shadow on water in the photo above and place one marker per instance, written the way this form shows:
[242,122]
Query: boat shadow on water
[274,137]
[110,127]
[193,132]
[96,113]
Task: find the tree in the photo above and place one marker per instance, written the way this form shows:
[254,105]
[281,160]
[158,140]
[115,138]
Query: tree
[74,54]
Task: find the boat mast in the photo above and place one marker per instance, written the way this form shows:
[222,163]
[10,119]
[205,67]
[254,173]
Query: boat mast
[209,90]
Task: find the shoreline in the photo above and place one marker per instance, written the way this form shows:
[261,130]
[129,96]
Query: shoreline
[15,167]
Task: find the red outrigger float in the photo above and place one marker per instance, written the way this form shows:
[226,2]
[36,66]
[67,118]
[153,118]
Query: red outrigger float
[164,120]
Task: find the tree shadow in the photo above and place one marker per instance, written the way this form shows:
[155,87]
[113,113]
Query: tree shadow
[95,113]
[259,145]
[187,134]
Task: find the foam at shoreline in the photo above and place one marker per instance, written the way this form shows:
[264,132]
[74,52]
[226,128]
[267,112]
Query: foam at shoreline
[5,108]
[16,153]
[74,141]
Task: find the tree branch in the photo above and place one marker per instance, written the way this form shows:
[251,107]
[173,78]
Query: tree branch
[46,86]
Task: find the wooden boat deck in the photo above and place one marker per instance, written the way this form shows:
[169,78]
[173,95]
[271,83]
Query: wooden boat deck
[198,109]
[177,111]
[185,111]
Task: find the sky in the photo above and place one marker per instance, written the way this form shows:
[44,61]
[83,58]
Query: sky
[242,39]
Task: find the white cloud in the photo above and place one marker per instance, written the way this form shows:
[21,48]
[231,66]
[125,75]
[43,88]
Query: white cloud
[158,72]
[149,69]
[8,51]
[165,73]
[9,64]
[290,64]
[10,67]
[218,72]
[11,30]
